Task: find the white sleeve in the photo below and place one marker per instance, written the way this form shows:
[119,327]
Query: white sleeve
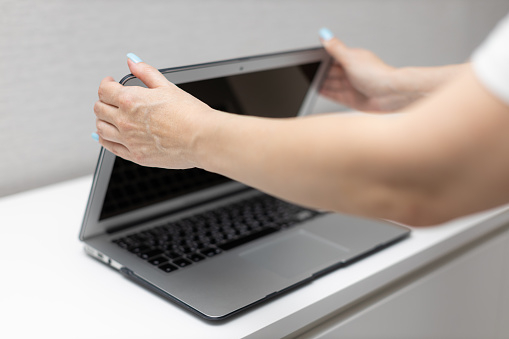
[491,61]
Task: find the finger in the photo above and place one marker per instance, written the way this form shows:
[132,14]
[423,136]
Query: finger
[149,75]
[336,85]
[115,148]
[109,91]
[107,131]
[106,112]
[326,93]
[339,97]
[337,49]
[347,98]
[336,72]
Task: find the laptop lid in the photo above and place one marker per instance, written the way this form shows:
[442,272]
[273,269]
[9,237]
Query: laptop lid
[276,85]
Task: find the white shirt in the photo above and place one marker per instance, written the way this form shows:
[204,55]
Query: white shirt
[491,61]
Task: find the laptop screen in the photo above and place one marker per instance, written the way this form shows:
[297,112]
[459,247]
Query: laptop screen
[276,93]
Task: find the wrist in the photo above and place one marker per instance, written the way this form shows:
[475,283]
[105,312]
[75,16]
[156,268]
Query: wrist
[408,81]
[421,81]
[205,143]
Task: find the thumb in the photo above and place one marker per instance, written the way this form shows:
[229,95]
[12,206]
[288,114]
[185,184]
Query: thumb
[149,75]
[336,48]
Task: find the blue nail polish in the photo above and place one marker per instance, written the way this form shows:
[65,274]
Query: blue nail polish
[134,58]
[95,136]
[326,34]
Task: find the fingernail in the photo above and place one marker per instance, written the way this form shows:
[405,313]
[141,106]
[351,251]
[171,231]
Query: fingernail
[95,136]
[326,34]
[134,58]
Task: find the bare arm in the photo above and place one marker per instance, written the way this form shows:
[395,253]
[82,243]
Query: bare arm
[446,159]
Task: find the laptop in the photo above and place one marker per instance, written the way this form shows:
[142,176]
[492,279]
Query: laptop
[208,243]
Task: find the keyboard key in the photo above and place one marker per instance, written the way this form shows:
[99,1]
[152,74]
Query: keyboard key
[121,243]
[138,249]
[151,242]
[158,260]
[210,252]
[187,249]
[168,268]
[200,245]
[149,254]
[196,257]
[137,238]
[182,262]
[173,255]
[240,241]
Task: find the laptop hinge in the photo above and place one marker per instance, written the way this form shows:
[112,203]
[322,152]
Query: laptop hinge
[120,228]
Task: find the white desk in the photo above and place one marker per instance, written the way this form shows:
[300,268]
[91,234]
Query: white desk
[51,288]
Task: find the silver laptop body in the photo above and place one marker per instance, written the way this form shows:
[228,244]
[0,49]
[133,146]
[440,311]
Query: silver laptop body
[137,218]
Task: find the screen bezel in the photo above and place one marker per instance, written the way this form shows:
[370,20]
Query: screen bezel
[92,226]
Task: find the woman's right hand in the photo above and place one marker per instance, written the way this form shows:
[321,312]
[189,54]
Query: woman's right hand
[157,126]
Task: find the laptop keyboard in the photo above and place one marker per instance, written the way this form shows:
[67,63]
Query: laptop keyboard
[183,242]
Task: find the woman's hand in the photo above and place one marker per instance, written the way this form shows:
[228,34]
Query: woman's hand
[361,80]
[155,126]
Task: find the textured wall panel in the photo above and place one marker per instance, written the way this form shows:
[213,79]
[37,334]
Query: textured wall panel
[54,53]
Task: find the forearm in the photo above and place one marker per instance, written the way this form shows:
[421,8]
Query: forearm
[332,162]
[445,159]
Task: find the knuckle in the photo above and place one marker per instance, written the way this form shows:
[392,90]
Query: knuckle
[96,107]
[100,127]
[364,52]
[124,125]
[126,99]
[357,50]
[121,125]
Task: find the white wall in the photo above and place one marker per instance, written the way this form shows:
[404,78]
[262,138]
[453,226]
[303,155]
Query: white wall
[53,54]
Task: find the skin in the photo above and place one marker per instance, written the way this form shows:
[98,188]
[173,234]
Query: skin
[360,80]
[445,154]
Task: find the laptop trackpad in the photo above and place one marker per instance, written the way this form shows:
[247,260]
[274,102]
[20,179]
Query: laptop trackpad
[299,253]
